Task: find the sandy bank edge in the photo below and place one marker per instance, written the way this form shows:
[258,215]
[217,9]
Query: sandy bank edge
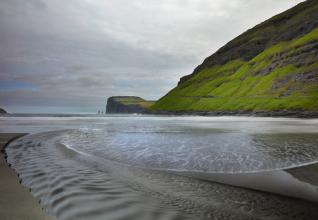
[16,201]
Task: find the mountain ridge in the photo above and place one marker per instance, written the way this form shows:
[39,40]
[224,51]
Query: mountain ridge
[296,29]
[271,67]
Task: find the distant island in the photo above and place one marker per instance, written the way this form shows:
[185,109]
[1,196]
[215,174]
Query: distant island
[270,70]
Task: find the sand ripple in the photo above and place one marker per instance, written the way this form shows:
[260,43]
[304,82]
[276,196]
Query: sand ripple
[72,184]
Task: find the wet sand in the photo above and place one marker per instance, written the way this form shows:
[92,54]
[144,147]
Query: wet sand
[307,174]
[16,202]
[300,182]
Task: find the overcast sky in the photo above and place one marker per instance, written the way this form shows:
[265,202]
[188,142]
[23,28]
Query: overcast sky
[60,56]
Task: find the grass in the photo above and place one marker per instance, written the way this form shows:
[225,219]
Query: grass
[312,36]
[133,100]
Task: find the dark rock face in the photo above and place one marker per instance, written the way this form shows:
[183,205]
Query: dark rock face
[125,105]
[2,111]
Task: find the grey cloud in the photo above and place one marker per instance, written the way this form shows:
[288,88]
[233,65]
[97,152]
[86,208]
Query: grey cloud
[78,52]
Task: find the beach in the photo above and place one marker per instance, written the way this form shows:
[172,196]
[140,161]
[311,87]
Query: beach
[16,201]
[164,168]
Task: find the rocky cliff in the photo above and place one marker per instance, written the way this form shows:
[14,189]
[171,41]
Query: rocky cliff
[127,104]
[2,111]
[269,68]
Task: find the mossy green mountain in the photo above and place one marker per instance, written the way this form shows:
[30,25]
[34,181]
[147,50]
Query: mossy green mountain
[271,67]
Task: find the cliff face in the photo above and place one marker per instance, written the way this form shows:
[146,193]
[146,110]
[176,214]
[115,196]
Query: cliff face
[127,104]
[271,67]
[2,111]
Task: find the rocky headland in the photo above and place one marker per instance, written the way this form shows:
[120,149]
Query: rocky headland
[3,112]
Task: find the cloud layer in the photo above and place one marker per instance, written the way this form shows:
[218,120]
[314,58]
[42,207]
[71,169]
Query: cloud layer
[69,56]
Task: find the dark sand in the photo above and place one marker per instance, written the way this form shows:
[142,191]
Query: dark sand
[300,182]
[307,174]
[16,202]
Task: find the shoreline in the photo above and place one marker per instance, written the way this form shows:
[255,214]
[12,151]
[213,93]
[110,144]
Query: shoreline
[243,113]
[276,114]
[16,201]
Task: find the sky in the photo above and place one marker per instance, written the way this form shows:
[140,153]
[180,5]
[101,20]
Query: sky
[70,56]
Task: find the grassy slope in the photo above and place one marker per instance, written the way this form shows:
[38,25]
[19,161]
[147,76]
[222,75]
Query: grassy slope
[240,85]
[134,101]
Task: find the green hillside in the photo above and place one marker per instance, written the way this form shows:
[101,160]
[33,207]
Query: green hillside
[127,104]
[133,100]
[273,66]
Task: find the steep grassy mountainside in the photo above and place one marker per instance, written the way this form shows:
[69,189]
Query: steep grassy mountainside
[271,67]
[127,104]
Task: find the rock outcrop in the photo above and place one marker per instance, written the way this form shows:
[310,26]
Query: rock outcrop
[2,111]
[127,105]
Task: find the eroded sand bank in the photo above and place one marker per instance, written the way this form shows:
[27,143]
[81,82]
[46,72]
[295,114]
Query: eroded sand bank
[16,202]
